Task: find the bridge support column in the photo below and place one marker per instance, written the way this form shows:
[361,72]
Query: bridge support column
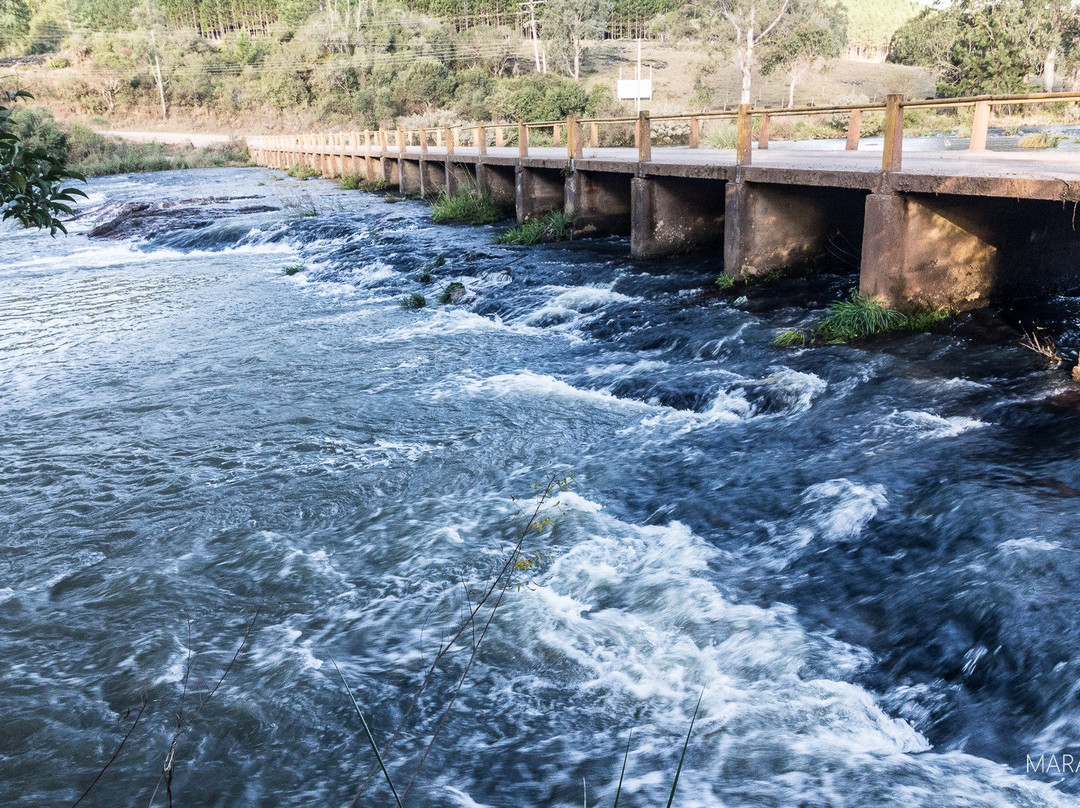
[409,180]
[769,228]
[538,191]
[498,183]
[389,171]
[432,177]
[672,215]
[928,252]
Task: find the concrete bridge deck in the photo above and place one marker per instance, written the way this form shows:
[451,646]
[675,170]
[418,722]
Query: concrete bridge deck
[951,229]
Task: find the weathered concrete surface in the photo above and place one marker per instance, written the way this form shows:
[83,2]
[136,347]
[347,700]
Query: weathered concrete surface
[460,177]
[432,177]
[929,252]
[599,201]
[388,167]
[673,215]
[774,227]
[538,191]
[499,183]
[409,182]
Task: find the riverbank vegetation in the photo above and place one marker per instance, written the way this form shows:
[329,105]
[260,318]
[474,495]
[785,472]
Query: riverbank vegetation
[467,207]
[554,226]
[263,64]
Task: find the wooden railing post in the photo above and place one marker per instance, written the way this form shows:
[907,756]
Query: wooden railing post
[449,133]
[481,140]
[498,137]
[695,131]
[643,136]
[763,133]
[382,140]
[556,135]
[423,140]
[439,137]
[573,138]
[854,130]
[980,124]
[743,136]
[523,139]
[594,135]
[367,143]
[893,153]
[400,141]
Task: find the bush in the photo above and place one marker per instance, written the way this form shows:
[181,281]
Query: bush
[465,207]
[302,171]
[415,300]
[556,226]
[1040,140]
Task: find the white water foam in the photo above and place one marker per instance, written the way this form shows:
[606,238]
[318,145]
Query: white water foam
[927,425]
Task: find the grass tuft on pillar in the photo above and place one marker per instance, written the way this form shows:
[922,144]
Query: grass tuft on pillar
[466,207]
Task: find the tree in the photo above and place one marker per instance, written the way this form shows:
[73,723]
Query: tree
[751,22]
[811,32]
[998,45]
[32,190]
[567,24]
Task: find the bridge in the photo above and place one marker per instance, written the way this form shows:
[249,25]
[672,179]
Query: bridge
[932,229]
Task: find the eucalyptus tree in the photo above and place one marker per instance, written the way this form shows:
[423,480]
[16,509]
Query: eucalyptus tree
[812,32]
[750,23]
[567,25]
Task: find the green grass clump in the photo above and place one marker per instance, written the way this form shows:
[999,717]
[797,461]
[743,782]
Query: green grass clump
[350,182]
[555,226]
[415,300]
[861,316]
[789,339]
[293,269]
[1039,140]
[465,207]
[857,317]
[725,281]
[302,171]
[452,293]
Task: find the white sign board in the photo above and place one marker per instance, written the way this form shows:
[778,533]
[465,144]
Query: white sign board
[631,89]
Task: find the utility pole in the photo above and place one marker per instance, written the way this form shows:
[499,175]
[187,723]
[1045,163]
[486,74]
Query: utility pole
[157,74]
[531,6]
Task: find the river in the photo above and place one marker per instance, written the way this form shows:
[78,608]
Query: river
[863,560]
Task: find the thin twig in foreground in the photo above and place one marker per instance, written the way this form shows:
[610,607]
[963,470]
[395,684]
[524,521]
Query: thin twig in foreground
[115,755]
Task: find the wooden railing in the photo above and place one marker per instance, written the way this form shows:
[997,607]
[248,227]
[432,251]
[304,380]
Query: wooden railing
[573,131]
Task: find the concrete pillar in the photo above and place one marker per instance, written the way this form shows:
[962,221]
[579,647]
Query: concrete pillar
[432,177]
[600,202]
[769,228]
[671,215]
[538,191]
[498,183]
[389,172]
[928,252]
[409,182]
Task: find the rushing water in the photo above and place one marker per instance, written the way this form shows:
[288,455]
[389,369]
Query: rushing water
[865,558]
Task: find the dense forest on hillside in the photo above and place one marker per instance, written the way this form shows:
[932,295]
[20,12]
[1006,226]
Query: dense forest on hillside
[372,61]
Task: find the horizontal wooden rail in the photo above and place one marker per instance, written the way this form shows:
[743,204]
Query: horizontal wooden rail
[320,151]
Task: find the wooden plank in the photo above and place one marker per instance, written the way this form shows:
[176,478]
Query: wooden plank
[523,139]
[643,136]
[695,131]
[980,126]
[743,136]
[763,132]
[893,152]
[854,130]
